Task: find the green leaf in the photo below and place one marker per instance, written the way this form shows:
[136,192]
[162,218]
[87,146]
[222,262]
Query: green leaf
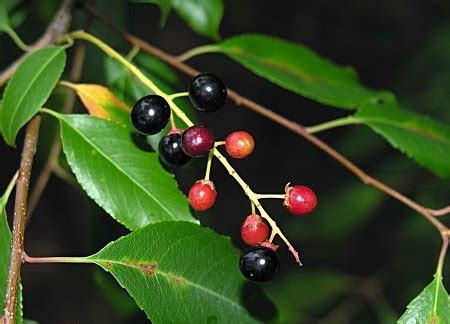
[5,252]
[29,88]
[430,306]
[203,16]
[423,139]
[180,271]
[298,69]
[164,6]
[129,183]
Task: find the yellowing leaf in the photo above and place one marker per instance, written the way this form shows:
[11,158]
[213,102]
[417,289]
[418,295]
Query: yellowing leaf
[101,102]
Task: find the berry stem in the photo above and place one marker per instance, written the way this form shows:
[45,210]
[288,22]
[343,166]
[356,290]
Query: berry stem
[272,236]
[271,196]
[252,206]
[254,198]
[208,164]
[173,125]
[152,86]
[178,95]
[219,143]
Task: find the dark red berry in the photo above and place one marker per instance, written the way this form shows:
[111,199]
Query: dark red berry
[259,263]
[300,200]
[207,92]
[197,140]
[239,144]
[170,151]
[202,195]
[150,114]
[254,230]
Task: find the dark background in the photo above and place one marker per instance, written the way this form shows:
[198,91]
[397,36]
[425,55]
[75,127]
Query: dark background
[366,256]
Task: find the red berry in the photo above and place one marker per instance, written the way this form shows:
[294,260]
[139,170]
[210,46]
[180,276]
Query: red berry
[202,195]
[300,200]
[197,140]
[254,230]
[239,144]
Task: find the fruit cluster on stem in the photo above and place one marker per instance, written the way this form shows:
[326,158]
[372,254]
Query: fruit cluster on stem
[207,92]
[201,141]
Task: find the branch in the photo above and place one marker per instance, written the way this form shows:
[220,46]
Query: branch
[56,28]
[269,114]
[20,208]
[52,164]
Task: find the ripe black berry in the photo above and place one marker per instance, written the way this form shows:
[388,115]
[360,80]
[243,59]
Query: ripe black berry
[170,151]
[259,263]
[197,140]
[150,114]
[207,92]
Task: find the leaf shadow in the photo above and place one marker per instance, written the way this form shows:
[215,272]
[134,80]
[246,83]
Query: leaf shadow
[140,142]
[254,299]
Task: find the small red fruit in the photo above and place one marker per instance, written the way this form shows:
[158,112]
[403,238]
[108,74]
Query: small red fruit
[239,144]
[254,230]
[202,195]
[300,200]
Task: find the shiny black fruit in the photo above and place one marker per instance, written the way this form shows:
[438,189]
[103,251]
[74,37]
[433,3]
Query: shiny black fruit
[207,92]
[170,151]
[259,263]
[150,114]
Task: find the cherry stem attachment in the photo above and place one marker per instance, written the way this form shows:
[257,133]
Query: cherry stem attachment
[272,236]
[219,143]
[271,196]
[208,164]
[178,95]
[173,125]
[252,206]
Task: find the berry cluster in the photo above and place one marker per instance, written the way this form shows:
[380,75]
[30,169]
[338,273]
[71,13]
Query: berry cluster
[151,114]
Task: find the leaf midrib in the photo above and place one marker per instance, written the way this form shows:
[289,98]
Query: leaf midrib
[168,276]
[33,80]
[120,169]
